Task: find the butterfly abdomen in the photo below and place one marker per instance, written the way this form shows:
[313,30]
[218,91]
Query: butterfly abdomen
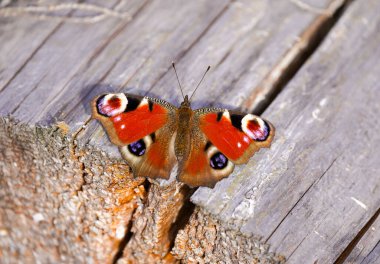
[183,137]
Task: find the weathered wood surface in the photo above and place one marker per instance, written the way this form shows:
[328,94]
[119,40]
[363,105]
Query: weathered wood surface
[56,180]
[366,249]
[318,185]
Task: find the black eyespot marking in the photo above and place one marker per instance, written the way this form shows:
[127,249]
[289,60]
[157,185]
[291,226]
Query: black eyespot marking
[219,116]
[137,148]
[236,121]
[218,161]
[150,104]
[208,145]
[153,137]
[133,103]
[99,104]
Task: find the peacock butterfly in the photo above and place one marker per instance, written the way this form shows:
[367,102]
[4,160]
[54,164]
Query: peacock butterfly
[205,143]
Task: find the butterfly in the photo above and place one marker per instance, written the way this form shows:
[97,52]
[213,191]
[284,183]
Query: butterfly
[154,136]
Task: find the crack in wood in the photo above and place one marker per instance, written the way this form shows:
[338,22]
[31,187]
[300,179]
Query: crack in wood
[307,190]
[26,96]
[42,12]
[87,63]
[124,241]
[290,255]
[29,58]
[374,248]
[193,43]
[183,218]
[350,247]
[73,147]
[293,60]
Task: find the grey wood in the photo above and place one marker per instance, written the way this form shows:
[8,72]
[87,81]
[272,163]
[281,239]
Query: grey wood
[367,249]
[220,51]
[373,256]
[17,47]
[312,192]
[136,58]
[55,63]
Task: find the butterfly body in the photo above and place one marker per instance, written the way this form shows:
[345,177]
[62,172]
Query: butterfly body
[183,138]
[154,136]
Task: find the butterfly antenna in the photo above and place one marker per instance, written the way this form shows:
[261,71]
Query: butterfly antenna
[179,84]
[208,68]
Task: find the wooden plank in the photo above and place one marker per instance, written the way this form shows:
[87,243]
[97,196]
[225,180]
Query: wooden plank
[373,256]
[367,249]
[53,65]
[252,38]
[59,80]
[311,193]
[14,53]
[252,49]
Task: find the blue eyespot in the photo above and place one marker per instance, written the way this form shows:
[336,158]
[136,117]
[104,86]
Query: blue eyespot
[137,148]
[218,161]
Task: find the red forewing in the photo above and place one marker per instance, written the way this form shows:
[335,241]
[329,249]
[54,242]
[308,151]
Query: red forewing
[131,126]
[129,118]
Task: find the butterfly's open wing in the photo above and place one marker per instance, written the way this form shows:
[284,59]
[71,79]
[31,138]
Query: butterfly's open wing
[220,139]
[143,128]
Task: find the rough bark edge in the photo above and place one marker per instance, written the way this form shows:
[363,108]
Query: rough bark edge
[206,240]
[60,202]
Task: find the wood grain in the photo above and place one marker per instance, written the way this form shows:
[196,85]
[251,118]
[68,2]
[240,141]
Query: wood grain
[54,64]
[365,248]
[14,53]
[311,193]
[61,175]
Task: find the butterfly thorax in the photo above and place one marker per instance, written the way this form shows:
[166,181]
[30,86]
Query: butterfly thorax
[183,137]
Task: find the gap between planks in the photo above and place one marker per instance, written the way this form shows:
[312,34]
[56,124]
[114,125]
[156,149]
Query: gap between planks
[350,247]
[292,61]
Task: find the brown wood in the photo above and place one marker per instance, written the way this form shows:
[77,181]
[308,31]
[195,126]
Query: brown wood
[67,196]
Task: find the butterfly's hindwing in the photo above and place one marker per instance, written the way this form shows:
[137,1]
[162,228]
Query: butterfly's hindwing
[205,164]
